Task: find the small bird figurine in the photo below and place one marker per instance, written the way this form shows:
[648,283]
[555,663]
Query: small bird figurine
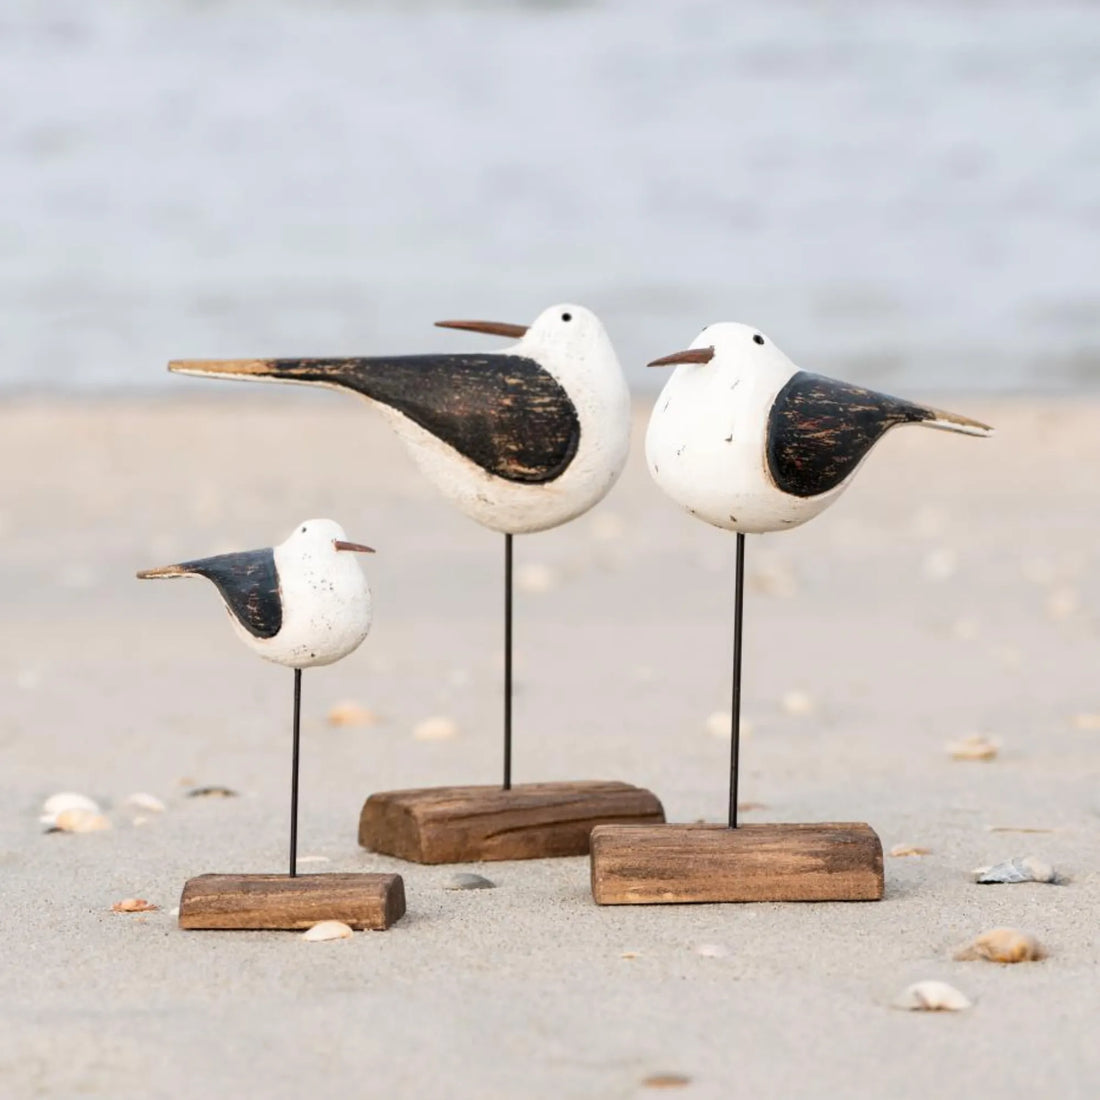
[303,603]
[744,440]
[521,440]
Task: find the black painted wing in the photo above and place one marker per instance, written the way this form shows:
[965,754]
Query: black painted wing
[249,584]
[502,412]
[820,429]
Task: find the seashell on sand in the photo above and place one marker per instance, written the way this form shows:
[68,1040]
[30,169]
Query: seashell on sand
[535,577]
[80,821]
[1003,945]
[437,728]
[797,703]
[712,951]
[327,930]
[1017,869]
[931,996]
[1062,604]
[1086,721]
[66,800]
[975,747]
[349,713]
[904,850]
[941,564]
[719,721]
[133,905]
[631,955]
[146,802]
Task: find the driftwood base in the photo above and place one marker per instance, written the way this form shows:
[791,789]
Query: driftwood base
[470,824]
[282,903]
[643,865]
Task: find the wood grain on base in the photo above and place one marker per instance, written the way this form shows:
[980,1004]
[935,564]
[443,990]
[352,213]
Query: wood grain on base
[279,902]
[470,824]
[638,864]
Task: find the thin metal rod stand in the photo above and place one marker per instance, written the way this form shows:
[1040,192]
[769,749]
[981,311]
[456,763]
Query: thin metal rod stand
[508,662]
[294,774]
[735,723]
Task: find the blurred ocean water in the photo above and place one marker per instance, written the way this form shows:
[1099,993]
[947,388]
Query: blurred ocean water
[907,192]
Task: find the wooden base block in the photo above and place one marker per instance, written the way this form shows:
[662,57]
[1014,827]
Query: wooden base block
[280,902]
[469,824]
[642,864]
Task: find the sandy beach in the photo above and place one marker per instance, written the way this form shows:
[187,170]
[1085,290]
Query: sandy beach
[952,592]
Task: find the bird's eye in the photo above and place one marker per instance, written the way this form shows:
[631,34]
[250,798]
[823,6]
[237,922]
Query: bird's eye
[758,338]
[567,316]
[303,530]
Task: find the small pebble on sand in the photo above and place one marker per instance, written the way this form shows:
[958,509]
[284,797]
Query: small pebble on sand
[437,728]
[712,951]
[1017,869]
[212,792]
[327,930]
[975,747]
[931,996]
[665,1081]
[464,880]
[1003,945]
[1062,604]
[904,850]
[134,905]
[349,713]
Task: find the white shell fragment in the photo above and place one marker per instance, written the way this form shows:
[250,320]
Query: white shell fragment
[147,802]
[905,850]
[464,880]
[350,713]
[931,996]
[437,728]
[134,905]
[712,951]
[535,577]
[1003,945]
[798,703]
[975,747]
[66,800]
[1017,869]
[80,821]
[327,930]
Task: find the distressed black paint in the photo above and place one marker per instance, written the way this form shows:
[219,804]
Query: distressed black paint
[819,430]
[502,412]
[249,584]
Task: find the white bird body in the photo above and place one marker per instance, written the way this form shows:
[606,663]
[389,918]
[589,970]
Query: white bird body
[748,442]
[520,440]
[303,603]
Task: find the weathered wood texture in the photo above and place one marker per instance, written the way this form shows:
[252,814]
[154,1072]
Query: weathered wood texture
[468,824]
[280,902]
[638,864]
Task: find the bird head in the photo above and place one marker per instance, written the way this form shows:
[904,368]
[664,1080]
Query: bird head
[728,344]
[564,330]
[323,537]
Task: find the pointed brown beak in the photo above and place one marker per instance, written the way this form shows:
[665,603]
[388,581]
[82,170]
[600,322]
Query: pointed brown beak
[354,547]
[692,355]
[491,328]
[231,368]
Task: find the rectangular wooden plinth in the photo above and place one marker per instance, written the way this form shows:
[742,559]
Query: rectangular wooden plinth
[279,902]
[469,824]
[643,865]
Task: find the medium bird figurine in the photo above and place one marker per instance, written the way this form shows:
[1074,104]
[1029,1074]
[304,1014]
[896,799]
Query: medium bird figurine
[521,440]
[744,440]
[303,603]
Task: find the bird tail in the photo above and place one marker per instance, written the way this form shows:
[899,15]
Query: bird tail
[952,422]
[164,571]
